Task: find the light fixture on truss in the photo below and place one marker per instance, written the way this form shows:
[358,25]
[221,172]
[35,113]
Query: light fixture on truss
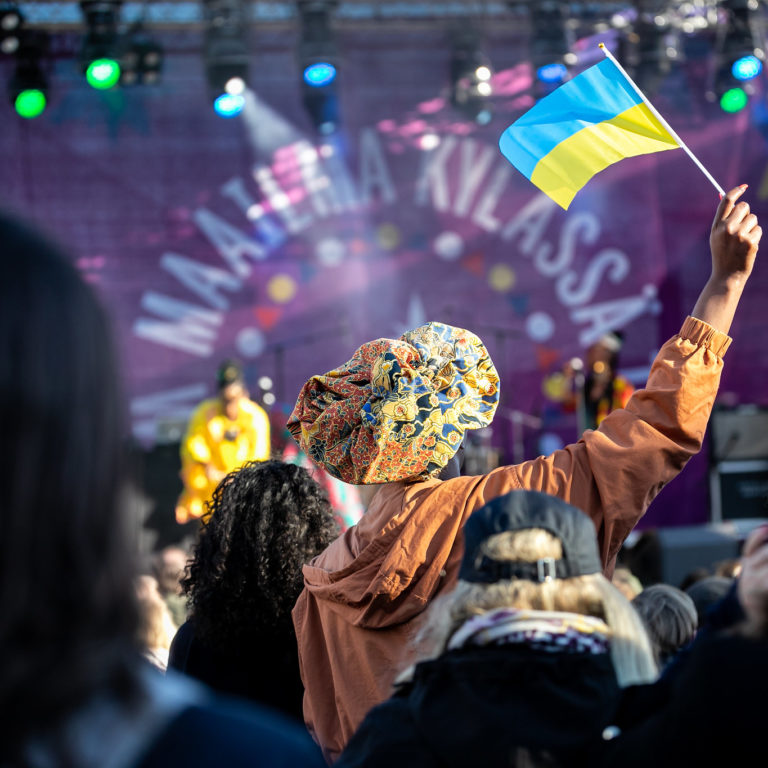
[550,44]
[28,87]
[100,52]
[226,54]
[471,73]
[11,23]
[319,63]
[141,59]
[740,53]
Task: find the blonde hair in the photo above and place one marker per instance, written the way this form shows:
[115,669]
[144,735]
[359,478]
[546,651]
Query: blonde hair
[591,595]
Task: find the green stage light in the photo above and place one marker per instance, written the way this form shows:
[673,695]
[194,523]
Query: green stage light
[102,74]
[30,103]
[733,100]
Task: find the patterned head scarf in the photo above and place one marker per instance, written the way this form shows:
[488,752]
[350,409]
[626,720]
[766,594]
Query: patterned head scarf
[399,408]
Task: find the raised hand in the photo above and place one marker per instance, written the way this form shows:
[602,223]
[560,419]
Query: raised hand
[734,238]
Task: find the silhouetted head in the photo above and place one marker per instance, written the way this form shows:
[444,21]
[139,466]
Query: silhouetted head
[66,595]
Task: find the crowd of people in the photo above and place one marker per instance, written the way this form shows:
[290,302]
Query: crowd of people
[462,621]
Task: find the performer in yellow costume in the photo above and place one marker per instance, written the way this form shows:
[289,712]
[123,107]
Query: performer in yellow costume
[223,433]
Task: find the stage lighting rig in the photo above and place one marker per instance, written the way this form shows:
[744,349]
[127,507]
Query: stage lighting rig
[100,53]
[141,59]
[11,23]
[28,87]
[740,53]
[471,74]
[651,44]
[551,42]
[319,63]
[226,54]
[743,44]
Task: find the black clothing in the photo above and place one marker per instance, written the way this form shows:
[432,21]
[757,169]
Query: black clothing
[232,735]
[168,722]
[715,713]
[491,706]
[709,708]
[261,669]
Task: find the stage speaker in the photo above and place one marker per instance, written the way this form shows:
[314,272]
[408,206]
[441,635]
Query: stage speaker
[738,490]
[739,434]
[738,476]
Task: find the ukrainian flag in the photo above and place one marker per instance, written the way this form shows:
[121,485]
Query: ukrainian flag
[580,129]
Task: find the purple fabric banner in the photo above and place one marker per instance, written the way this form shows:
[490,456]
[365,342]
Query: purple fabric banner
[212,238]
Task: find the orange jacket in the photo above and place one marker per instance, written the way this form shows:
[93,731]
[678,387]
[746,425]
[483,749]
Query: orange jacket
[364,594]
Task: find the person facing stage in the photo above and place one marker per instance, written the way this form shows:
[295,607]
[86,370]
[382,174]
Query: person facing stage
[223,433]
[393,418]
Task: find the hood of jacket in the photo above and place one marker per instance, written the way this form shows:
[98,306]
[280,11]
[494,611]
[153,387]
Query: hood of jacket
[406,548]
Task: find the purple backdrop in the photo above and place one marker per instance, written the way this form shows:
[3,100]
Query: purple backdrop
[211,238]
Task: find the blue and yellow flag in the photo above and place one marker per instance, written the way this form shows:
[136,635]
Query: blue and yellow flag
[587,124]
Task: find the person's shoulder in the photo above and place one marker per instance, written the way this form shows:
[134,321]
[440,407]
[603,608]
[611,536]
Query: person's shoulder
[251,408]
[207,409]
[232,733]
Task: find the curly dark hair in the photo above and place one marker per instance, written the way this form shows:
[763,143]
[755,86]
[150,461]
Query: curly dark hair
[267,519]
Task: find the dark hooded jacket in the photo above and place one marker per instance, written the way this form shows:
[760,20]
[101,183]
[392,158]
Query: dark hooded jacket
[492,706]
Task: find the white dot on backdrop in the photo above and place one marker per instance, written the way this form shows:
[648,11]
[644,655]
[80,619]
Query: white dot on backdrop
[250,342]
[539,326]
[649,291]
[331,251]
[429,141]
[448,246]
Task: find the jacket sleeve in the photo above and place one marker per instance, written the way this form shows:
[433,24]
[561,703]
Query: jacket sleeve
[614,472]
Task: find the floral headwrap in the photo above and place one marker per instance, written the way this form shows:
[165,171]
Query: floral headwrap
[399,408]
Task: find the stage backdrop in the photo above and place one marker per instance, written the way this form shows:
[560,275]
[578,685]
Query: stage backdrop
[252,238]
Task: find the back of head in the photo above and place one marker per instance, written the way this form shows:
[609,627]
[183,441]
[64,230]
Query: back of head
[669,616]
[267,520]
[533,552]
[168,567]
[706,592]
[156,628]
[66,597]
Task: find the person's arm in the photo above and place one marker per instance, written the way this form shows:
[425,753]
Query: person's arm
[263,446]
[734,241]
[614,472]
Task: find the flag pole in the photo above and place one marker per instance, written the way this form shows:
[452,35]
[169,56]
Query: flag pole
[658,116]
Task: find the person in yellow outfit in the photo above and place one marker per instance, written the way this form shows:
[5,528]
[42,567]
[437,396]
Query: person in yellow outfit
[223,433]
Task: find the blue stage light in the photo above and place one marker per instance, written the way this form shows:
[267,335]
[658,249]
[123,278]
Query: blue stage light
[319,74]
[747,67]
[552,73]
[229,104]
